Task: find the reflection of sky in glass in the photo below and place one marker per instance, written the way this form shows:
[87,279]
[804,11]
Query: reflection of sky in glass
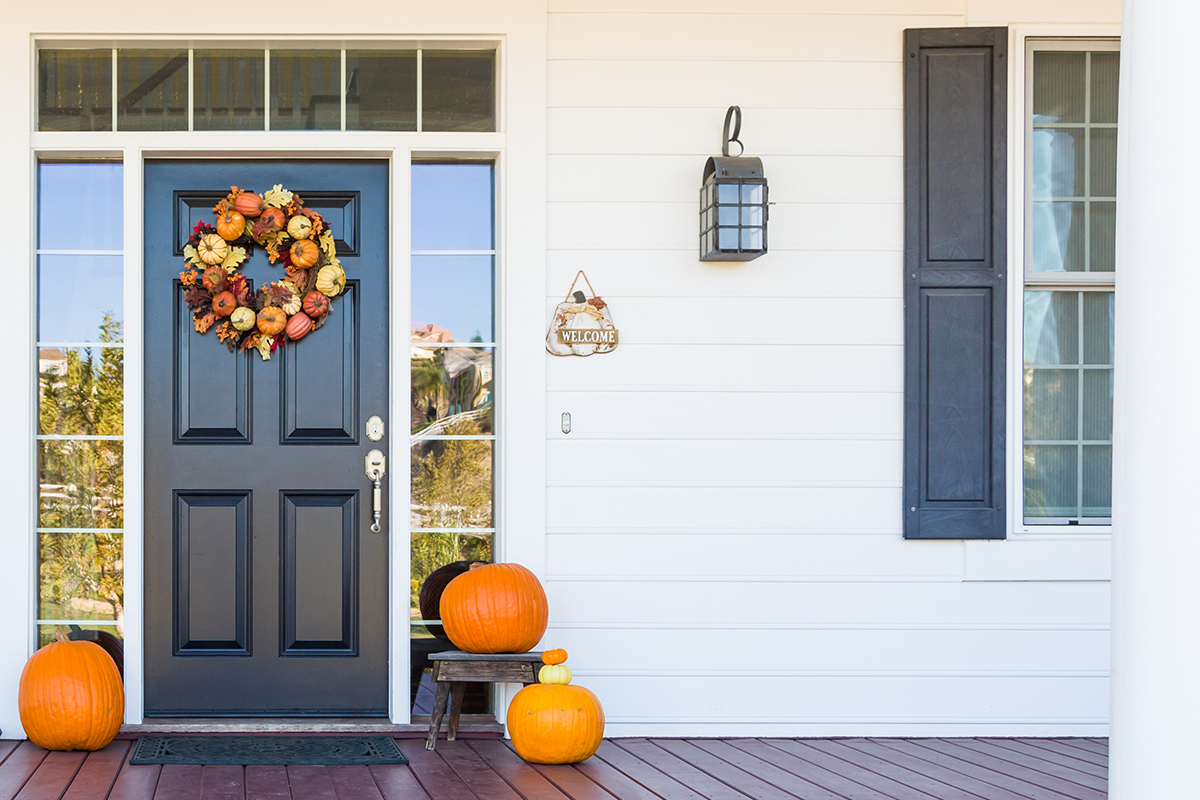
[452,207]
[454,293]
[74,294]
[1053,176]
[79,207]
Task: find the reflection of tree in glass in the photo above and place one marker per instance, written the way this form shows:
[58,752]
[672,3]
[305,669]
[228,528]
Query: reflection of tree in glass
[81,481]
[449,382]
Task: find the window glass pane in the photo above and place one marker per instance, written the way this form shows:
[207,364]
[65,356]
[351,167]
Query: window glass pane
[80,575]
[64,189]
[152,90]
[1097,404]
[1052,405]
[452,297]
[1104,162]
[75,90]
[1103,236]
[1097,481]
[1106,73]
[79,298]
[452,207]
[80,391]
[450,384]
[46,633]
[381,90]
[228,90]
[1058,163]
[80,484]
[1051,328]
[1057,232]
[459,90]
[1058,87]
[452,479]
[1051,481]
[1098,315]
[306,90]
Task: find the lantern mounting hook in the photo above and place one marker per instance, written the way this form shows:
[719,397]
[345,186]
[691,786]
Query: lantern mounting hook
[734,114]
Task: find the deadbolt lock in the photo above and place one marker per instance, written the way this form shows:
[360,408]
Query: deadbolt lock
[375,428]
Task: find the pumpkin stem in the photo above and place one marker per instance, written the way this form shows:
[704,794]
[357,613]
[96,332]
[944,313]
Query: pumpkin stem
[60,636]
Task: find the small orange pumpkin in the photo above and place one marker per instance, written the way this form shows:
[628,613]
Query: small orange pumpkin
[271,220]
[272,320]
[555,723]
[496,608]
[298,326]
[315,304]
[71,697]
[554,656]
[214,278]
[223,304]
[230,224]
[248,204]
[305,253]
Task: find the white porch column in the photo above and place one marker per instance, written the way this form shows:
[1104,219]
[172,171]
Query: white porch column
[1155,734]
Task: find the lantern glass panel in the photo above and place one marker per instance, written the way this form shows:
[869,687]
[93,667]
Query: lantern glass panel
[752,215]
[752,193]
[727,193]
[727,238]
[752,238]
[727,215]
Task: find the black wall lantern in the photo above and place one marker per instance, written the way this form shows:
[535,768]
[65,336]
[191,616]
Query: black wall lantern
[733,202]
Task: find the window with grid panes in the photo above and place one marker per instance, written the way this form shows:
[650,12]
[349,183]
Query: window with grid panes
[1069,298]
[80,402]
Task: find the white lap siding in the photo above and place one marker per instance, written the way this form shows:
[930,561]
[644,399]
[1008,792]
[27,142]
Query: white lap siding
[724,551]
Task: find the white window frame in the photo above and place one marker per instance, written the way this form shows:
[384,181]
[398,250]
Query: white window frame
[519,459]
[1023,40]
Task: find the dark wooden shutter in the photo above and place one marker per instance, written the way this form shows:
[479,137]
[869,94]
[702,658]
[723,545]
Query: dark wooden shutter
[955,105]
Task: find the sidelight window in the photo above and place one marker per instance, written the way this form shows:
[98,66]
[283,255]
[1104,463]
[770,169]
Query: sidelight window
[80,401]
[210,89]
[1070,277]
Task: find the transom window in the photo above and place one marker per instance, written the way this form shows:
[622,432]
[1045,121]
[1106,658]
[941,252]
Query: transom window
[1070,263]
[210,89]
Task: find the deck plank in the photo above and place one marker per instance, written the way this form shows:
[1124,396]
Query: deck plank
[1096,760]
[1040,764]
[267,783]
[1024,773]
[53,776]
[829,783]
[1040,753]
[917,781]
[135,782]
[698,780]
[95,778]
[646,774]
[613,780]
[397,782]
[527,781]
[437,778]
[18,767]
[474,771]
[800,748]
[310,783]
[222,782]
[763,783]
[964,766]
[573,783]
[6,747]
[1088,745]
[179,782]
[956,783]
[354,783]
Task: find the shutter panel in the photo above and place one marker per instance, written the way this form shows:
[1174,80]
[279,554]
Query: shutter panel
[955,106]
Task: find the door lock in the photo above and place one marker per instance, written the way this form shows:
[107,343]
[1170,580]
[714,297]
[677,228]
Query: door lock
[375,428]
[376,469]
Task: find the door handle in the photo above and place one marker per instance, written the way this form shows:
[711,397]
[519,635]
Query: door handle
[376,469]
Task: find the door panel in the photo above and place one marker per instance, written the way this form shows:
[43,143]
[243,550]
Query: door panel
[266,592]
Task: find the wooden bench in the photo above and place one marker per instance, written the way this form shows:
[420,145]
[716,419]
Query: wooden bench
[452,671]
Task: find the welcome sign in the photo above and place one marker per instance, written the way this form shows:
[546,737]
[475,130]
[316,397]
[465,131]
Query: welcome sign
[582,325]
[570,336]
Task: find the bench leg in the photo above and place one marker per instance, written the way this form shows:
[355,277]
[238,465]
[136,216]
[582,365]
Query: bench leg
[439,710]
[457,690]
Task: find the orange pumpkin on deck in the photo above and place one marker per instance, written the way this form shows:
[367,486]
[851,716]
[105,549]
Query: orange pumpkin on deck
[495,608]
[71,697]
[271,320]
[553,722]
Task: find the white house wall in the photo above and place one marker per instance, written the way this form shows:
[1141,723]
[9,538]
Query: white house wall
[723,549]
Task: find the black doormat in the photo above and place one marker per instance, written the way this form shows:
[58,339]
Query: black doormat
[246,750]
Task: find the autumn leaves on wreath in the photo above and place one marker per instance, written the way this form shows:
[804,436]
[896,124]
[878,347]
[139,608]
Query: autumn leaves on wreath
[502,608]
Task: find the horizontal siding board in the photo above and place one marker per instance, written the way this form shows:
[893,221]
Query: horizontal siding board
[675,226]
[729,413]
[1013,12]
[1080,560]
[697,131]
[830,603]
[896,652]
[816,368]
[742,554]
[939,7]
[852,698]
[776,37]
[694,84]
[593,177]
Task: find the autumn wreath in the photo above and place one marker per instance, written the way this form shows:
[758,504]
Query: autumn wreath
[284,311]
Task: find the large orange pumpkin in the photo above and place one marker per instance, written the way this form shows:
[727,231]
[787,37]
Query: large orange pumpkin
[555,723]
[71,697]
[496,608]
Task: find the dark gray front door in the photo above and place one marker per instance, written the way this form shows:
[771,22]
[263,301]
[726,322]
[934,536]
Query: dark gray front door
[265,589]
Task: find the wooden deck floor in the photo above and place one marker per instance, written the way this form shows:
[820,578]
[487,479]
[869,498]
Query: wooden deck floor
[628,769]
